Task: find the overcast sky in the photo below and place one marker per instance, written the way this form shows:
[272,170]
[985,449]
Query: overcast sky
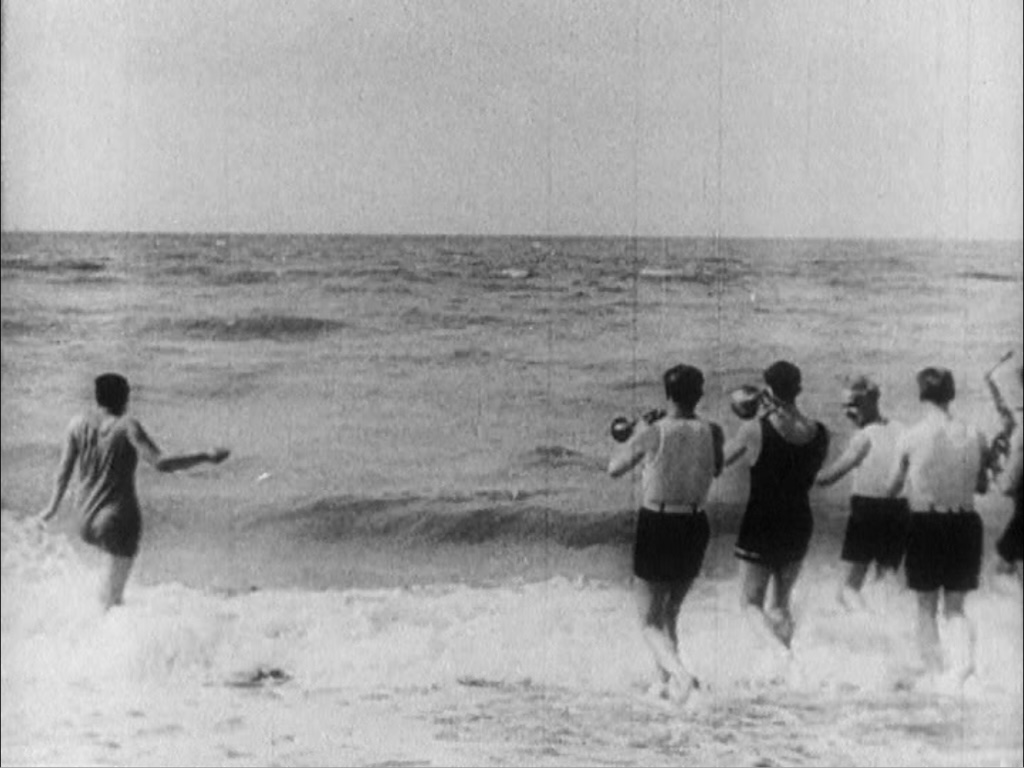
[862,118]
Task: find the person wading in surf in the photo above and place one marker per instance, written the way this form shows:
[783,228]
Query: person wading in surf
[1007,463]
[681,455]
[877,527]
[104,445]
[941,462]
[784,450]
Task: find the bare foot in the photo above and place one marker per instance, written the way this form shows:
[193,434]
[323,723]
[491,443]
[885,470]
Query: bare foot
[681,692]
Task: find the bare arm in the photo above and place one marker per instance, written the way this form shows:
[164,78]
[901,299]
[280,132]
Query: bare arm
[852,457]
[741,444]
[981,482]
[899,475]
[153,456]
[63,477]
[632,452]
[718,442]
[1009,477]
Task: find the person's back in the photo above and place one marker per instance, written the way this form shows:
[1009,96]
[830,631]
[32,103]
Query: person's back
[107,460]
[681,470]
[871,476]
[784,470]
[944,459]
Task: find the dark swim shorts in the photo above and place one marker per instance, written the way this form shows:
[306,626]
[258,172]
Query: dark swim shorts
[669,546]
[116,534]
[944,551]
[1011,544]
[876,531]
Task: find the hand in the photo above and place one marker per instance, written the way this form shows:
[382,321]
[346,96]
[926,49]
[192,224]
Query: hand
[217,455]
[1000,446]
[654,415]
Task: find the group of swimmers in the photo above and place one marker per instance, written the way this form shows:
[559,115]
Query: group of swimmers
[912,501]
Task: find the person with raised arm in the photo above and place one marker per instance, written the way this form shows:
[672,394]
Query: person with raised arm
[681,455]
[1007,463]
[876,530]
[784,450]
[104,446]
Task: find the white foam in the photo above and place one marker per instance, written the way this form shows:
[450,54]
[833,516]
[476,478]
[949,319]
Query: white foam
[559,632]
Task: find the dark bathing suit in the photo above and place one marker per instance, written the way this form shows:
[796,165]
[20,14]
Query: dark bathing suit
[1011,544]
[777,525]
[109,507]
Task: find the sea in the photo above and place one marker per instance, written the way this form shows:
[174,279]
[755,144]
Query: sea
[414,555]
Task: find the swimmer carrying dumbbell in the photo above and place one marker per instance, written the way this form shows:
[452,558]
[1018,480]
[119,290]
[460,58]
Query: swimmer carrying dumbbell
[681,455]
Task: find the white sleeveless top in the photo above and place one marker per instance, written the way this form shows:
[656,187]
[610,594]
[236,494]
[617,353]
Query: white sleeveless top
[872,475]
[680,469]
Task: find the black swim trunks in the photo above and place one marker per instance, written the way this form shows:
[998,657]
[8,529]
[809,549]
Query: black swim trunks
[670,547]
[1011,544]
[876,531]
[944,551]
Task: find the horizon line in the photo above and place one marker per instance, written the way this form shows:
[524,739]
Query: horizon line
[520,235]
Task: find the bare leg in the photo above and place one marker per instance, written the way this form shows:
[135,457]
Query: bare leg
[850,596]
[651,599]
[961,640]
[785,580]
[752,601]
[928,630]
[673,604]
[112,589]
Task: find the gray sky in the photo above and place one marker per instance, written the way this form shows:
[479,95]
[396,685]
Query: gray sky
[833,118]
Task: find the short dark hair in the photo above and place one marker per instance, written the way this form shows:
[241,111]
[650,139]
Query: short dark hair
[112,392]
[784,379]
[684,385]
[936,385]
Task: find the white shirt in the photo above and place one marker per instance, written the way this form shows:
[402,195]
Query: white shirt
[871,476]
[944,457]
[679,462]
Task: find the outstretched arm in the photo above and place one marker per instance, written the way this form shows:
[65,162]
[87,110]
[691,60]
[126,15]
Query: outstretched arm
[630,453]
[747,442]
[63,477]
[153,456]
[852,457]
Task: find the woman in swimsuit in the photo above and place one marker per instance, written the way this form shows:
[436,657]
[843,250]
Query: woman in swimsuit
[784,450]
[105,445]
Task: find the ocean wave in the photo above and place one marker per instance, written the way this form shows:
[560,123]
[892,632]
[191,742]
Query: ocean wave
[452,321]
[254,328]
[13,328]
[51,266]
[992,277]
[461,519]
